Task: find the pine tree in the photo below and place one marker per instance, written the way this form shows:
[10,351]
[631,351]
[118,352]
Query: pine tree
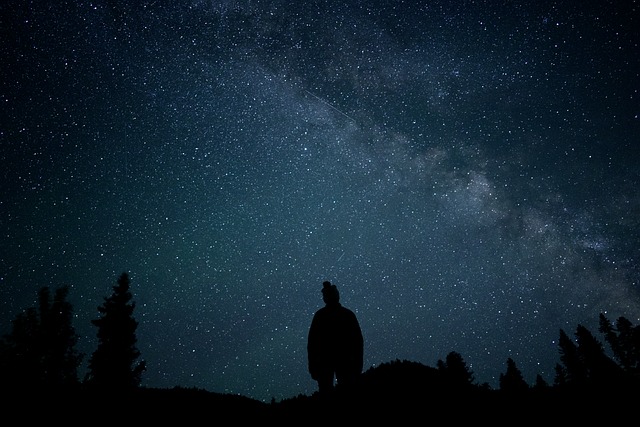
[600,368]
[21,354]
[560,378]
[61,360]
[40,353]
[574,369]
[512,379]
[606,328]
[624,341]
[540,383]
[113,365]
[629,338]
[456,370]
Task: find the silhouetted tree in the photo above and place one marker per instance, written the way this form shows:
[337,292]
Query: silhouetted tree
[600,368]
[455,370]
[585,362]
[512,379]
[21,352]
[113,365]
[560,378]
[540,383]
[574,369]
[61,359]
[624,341]
[39,352]
[606,328]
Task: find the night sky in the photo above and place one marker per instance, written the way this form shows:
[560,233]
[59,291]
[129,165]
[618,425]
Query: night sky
[466,172]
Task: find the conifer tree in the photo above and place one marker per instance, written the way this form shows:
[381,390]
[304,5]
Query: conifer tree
[560,378]
[114,364]
[21,353]
[456,370]
[574,369]
[61,360]
[624,341]
[39,352]
[600,368]
[512,379]
[540,383]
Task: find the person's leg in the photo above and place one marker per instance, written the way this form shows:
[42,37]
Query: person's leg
[346,380]
[325,383]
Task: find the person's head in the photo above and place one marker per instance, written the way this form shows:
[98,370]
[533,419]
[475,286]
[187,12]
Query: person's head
[330,293]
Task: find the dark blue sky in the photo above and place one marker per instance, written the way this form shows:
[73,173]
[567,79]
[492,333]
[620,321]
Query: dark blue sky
[465,172]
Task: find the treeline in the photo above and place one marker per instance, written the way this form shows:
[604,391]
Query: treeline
[40,354]
[584,362]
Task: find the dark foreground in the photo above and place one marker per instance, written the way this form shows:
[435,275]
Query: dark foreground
[396,394]
[184,407]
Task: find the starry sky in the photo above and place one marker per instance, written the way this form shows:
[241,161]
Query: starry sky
[466,172]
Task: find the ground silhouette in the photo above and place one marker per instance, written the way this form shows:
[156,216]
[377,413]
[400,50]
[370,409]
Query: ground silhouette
[38,377]
[401,392]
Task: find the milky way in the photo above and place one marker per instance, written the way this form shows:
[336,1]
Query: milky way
[465,172]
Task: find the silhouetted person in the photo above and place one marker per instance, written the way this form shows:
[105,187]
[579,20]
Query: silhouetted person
[335,343]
